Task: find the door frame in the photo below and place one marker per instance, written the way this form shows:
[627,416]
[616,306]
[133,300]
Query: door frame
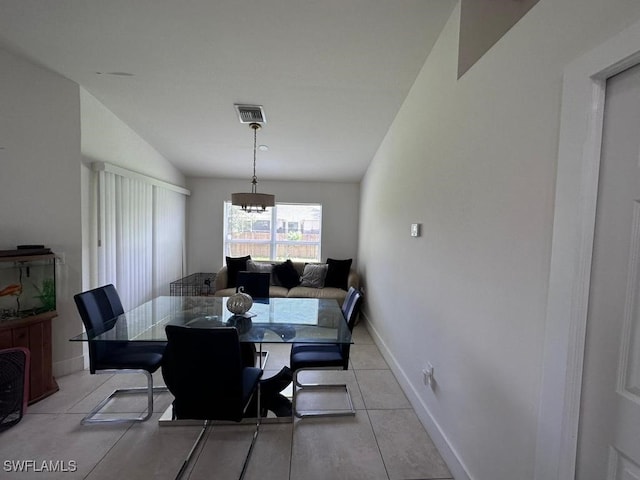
[581,123]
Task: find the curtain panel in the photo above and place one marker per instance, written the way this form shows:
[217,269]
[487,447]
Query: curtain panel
[141,236]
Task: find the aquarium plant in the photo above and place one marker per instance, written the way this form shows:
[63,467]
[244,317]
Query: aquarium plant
[47,295]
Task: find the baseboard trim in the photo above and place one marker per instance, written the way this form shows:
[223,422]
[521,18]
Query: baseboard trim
[448,453]
[68,366]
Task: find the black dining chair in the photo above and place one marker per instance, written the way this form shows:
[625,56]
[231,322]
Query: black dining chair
[98,309]
[325,356]
[203,369]
[255,284]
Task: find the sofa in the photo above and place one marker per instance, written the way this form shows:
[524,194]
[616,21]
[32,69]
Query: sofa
[225,288]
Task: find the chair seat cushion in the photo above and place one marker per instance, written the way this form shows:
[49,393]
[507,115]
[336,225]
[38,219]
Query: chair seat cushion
[132,356]
[301,347]
[310,292]
[317,358]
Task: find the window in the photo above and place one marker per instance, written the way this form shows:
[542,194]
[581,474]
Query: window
[285,231]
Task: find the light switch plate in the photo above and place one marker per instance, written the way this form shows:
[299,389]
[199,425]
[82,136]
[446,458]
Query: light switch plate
[415,229]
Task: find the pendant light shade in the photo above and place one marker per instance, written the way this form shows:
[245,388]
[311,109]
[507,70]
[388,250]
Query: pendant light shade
[253,201]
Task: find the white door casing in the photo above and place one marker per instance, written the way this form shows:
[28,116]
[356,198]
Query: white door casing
[609,427]
[572,246]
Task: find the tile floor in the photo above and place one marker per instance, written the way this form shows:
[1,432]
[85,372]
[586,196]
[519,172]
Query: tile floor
[383,441]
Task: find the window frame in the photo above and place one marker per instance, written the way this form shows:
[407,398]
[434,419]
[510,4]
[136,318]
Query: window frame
[272,214]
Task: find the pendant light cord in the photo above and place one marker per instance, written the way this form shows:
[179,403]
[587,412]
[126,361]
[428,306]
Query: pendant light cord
[254,180]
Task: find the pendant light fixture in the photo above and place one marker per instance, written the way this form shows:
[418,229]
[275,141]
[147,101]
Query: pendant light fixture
[254,201]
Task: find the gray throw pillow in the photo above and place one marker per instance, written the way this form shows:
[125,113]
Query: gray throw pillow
[313,275]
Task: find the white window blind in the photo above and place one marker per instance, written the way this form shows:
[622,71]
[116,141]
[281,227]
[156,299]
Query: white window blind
[141,234]
[169,239]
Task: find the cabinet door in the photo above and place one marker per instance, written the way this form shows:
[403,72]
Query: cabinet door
[37,380]
[6,339]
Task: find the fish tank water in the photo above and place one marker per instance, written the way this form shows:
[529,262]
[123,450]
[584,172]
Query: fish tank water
[27,286]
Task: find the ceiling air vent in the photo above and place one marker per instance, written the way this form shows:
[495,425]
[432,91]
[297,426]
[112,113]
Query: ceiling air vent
[250,113]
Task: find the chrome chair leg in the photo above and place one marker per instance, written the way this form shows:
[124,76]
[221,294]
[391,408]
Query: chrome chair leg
[206,425]
[186,461]
[149,390]
[299,387]
[253,440]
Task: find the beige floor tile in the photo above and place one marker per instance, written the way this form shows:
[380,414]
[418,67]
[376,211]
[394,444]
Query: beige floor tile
[336,447]
[134,403]
[147,450]
[226,447]
[73,388]
[407,449]
[57,437]
[360,335]
[271,457]
[384,442]
[367,357]
[380,390]
[327,400]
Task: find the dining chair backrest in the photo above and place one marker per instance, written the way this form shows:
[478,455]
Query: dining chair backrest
[351,306]
[202,367]
[255,284]
[96,308]
[350,310]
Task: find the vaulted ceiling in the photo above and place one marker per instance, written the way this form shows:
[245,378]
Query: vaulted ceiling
[330,74]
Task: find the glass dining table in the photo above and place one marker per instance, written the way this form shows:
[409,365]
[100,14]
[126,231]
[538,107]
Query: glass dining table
[274,320]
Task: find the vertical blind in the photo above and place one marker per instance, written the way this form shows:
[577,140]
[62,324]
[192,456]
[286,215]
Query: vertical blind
[141,236]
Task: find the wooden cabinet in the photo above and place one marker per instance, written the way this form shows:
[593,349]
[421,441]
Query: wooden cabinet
[27,306]
[33,333]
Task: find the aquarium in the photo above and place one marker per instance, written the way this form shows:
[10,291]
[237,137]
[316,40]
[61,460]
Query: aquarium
[27,286]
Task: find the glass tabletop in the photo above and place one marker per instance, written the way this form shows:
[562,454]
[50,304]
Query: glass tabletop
[275,320]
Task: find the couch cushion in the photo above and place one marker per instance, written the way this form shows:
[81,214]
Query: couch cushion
[327,292]
[274,292]
[277,292]
[313,275]
[235,265]
[287,275]
[338,273]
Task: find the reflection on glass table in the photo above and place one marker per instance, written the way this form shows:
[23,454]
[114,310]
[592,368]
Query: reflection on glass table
[277,320]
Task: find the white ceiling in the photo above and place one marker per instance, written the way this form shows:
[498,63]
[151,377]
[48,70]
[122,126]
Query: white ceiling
[331,74]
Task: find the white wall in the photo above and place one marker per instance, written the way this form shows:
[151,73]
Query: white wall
[106,138]
[478,171]
[340,206]
[44,183]
[40,181]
